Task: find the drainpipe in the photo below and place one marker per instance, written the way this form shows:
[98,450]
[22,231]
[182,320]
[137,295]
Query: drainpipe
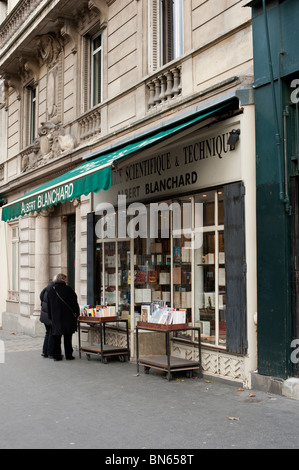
[285,115]
[288,207]
[277,135]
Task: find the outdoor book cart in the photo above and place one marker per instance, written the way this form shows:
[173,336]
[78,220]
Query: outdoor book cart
[167,363]
[103,350]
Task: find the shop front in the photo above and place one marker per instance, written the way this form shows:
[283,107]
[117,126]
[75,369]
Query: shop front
[177,227]
[170,220]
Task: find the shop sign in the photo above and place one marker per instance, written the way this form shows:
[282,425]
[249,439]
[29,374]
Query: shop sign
[195,162]
[47,198]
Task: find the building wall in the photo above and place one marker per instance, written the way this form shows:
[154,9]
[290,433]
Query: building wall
[274,214]
[217,59]
[218,48]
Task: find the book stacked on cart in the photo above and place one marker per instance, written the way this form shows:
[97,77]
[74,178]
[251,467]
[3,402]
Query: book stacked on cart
[97,313]
[159,314]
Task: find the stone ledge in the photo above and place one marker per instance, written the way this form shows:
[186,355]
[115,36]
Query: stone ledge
[288,388]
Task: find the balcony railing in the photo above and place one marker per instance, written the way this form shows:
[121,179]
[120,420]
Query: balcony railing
[13,295]
[164,87]
[89,125]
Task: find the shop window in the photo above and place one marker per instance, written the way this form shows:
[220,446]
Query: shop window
[92,70]
[209,268]
[113,275]
[152,258]
[166,25]
[188,252]
[182,257]
[14,277]
[124,277]
[108,290]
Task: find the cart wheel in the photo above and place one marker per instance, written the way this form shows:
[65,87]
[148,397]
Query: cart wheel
[189,374]
[88,357]
[169,376]
[105,360]
[146,370]
[121,358]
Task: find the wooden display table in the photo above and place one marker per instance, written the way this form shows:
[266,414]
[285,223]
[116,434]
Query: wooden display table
[167,363]
[104,350]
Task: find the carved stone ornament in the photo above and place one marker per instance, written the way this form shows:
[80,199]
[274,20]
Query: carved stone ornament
[43,213]
[51,94]
[13,81]
[49,47]
[29,68]
[68,32]
[94,12]
[52,142]
[2,93]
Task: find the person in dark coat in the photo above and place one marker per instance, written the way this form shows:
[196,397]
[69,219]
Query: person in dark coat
[63,311]
[47,350]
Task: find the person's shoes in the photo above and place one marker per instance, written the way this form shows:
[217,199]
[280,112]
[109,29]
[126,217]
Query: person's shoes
[58,358]
[44,355]
[70,358]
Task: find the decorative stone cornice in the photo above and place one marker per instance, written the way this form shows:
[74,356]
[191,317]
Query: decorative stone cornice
[16,18]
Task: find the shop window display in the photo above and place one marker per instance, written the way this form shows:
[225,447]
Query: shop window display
[183,266]
[113,274]
[152,261]
[124,274]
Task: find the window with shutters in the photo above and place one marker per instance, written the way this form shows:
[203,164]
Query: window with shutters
[166,31]
[31,114]
[92,70]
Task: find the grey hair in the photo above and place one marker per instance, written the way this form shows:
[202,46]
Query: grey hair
[60,277]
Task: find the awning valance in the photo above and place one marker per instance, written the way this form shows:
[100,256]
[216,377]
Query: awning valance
[91,176]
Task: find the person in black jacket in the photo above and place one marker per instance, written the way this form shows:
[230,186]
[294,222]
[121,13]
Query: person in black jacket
[63,311]
[47,350]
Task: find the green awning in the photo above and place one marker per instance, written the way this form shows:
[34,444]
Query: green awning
[91,176]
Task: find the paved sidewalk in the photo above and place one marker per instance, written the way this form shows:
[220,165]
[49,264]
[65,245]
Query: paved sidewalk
[85,404]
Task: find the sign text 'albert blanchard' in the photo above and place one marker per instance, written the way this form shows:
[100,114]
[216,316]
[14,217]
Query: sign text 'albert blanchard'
[48,198]
[175,169]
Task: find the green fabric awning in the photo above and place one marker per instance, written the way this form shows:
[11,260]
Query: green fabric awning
[91,176]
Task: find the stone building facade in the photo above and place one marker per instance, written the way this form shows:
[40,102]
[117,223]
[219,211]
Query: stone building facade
[80,79]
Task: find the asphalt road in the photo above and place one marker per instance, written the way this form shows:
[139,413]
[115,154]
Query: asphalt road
[85,404]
